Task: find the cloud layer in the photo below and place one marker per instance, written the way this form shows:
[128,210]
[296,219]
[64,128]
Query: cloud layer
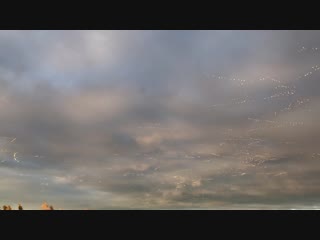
[160,119]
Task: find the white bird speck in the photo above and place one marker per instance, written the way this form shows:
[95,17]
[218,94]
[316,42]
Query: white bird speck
[15,157]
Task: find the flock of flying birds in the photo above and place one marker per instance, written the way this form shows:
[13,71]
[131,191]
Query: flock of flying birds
[250,158]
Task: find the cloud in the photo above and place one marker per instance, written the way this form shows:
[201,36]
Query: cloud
[159,119]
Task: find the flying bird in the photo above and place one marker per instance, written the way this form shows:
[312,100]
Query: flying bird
[15,157]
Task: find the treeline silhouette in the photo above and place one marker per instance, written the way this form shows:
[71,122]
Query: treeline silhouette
[44,206]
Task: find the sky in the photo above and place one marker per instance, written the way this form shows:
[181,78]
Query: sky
[160,119]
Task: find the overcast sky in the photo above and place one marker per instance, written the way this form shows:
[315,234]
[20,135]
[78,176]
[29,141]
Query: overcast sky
[160,119]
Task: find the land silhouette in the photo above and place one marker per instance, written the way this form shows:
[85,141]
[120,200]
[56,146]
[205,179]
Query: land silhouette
[44,206]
